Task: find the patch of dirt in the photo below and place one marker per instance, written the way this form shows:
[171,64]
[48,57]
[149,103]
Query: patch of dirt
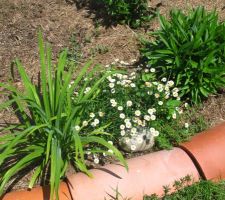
[213,110]
[186,5]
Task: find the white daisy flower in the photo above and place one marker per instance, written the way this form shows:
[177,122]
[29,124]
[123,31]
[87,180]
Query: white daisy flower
[167,88]
[147,117]
[96,121]
[96,161]
[92,115]
[153,117]
[152,130]
[148,84]
[101,114]
[93,124]
[139,122]
[85,123]
[157,95]
[160,103]
[132,85]
[113,91]
[111,85]
[155,133]
[122,133]
[170,83]
[133,130]
[175,90]
[112,101]
[114,104]
[122,127]
[77,128]
[127,120]
[152,70]
[167,96]
[120,108]
[175,94]
[129,103]
[150,111]
[122,116]
[137,113]
[164,79]
[186,125]
[128,125]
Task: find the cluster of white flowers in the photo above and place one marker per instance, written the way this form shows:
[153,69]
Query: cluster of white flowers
[95,122]
[96,157]
[121,80]
[113,102]
[87,89]
[130,115]
[121,62]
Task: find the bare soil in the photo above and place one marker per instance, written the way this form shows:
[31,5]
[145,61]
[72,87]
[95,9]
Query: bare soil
[20,21]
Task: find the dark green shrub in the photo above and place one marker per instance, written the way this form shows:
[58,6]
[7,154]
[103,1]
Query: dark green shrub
[189,49]
[131,12]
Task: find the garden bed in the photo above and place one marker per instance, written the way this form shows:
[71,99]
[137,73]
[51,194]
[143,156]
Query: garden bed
[65,26]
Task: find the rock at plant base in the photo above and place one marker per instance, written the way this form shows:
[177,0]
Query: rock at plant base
[143,140]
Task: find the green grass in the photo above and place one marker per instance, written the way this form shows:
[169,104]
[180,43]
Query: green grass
[203,190]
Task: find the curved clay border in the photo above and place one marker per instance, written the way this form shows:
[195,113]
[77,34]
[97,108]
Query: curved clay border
[202,156]
[207,150]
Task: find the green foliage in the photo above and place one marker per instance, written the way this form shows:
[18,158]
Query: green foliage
[175,132]
[203,190]
[74,54]
[189,49]
[131,12]
[136,101]
[49,135]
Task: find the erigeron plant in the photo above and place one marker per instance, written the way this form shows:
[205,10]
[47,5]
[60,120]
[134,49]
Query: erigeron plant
[134,103]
